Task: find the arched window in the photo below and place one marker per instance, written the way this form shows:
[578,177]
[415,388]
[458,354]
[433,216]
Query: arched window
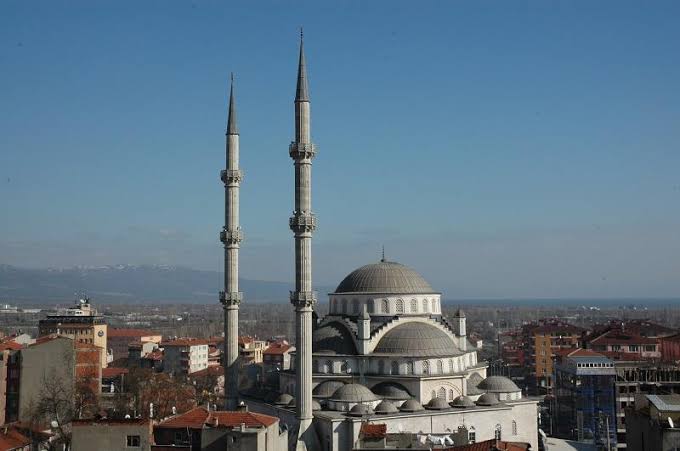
[426,367]
[381,367]
[409,368]
[344,306]
[434,306]
[424,305]
[395,367]
[344,368]
[414,306]
[497,432]
[385,306]
[329,367]
[472,435]
[450,395]
[451,370]
[440,367]
[442,393]
[514,427]
[370,306]
[434,394]
[400,306]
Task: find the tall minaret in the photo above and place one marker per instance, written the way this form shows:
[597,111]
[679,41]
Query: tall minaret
[303,223]
[231,237]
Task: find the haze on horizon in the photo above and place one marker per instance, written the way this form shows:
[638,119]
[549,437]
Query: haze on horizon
[503,150]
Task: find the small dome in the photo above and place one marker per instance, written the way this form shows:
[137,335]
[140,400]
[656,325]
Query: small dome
[333,338]
[384,277]
[462,402]
[315,405]
[437,404]
[471,384]
[487,399]
[416,339]
[385,407]
[326,388]
[411,406]
[497,384]
[283,400]
[354,393]
[291,403]
[391,390]
[360,410]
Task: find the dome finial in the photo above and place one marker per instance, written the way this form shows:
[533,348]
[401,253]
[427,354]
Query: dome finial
[383,254]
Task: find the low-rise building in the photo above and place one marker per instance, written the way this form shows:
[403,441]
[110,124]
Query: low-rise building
[653,423]
[278,355]
[185,355]
[112,435]
[119,340]
[250,349]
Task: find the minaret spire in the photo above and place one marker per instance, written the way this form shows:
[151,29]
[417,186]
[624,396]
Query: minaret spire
[231,236]
[303,224]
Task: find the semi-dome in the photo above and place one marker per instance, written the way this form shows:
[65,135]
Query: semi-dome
[391,390]
[333,338]
[487,399]
[471,384]
[353,393]
[437,404]
[462,402]
[283,400]
[417,339]
[498,384]
[360,410]
[326,388]
[315,405]
[386,407]
[411,406]
[384,277]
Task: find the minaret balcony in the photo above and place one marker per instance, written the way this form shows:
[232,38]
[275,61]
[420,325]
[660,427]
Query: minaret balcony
[234,298]
[231,236]
[302,223]
[302,151]
[231,176]
[303,298]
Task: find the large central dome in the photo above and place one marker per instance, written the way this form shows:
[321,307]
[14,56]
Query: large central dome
[384,277]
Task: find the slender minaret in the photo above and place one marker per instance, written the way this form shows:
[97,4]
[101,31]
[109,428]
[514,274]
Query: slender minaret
[231,237]
[303,223]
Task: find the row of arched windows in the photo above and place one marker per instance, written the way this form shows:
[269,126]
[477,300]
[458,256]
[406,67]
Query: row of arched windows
[427,306]
[394,367]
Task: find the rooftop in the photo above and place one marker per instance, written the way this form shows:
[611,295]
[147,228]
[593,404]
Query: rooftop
[384,277]
[198,417]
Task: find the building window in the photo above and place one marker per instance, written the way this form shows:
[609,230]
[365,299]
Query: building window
[450,365]
[414,306]
[381,367]
[385,306]
[344,306]
[424,305]
[440,367]
[514,427]
[409,368]
[355,306]
[434,305]
[133,441]
[329,367]
[395,367]
[344,368]
[433,394]
[497,432]
[650,348]
[426,367]
[400,306]
[450,395]
[472,436]
[633,348]
[442,393]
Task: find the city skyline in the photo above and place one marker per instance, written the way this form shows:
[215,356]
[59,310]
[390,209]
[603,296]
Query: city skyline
[544,166]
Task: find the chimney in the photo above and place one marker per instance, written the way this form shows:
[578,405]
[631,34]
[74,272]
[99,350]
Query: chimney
[242,407]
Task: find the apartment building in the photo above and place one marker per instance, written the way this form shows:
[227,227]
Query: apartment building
[185,355]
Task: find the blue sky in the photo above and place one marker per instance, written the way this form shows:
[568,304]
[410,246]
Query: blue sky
[502,149]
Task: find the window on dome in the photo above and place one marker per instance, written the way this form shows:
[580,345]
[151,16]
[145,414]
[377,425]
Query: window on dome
[328,367]
[451,365]
[344,306]
[434,305]
[400,306]
[385,306]
[414,306]
[442,393]
[440,367]
[344,368]
[395,367]
[381,367]
[409,368]
[424,305]
[426,367]
[355,306]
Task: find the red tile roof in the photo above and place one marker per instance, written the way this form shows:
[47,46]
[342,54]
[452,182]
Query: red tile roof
[131,333]
[618,337]
[580,352]
[197,417]
[185,342]
[373,430]
[10,345]
[12,439]
[116,421]
[277,348]
[154,355]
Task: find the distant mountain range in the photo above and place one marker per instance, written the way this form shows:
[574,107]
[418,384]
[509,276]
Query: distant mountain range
[129,284]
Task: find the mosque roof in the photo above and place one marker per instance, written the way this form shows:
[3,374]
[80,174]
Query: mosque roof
[385,407]
[411,406]
[417,339]
[284,399]
[471,384]
[497,384]
[333,338]
[391,390]
[354,393]
[384,277]
[487,399]
[361,410]
[326,388]
[437,404]
[462,401]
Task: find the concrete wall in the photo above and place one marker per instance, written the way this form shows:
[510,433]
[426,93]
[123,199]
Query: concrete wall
[110,436]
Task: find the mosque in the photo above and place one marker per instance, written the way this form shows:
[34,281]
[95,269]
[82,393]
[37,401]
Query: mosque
[383,354]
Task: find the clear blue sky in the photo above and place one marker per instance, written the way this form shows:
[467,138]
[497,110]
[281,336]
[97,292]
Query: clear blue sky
[502,149]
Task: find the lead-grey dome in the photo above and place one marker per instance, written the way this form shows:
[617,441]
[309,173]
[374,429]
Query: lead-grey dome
[437,404]
[284,399]
[353,393]
[315,405]
[333,338]
[462,402]
[411,406]
[417,339]
[498,384]
[384,277]
[326,388]
[385,407]
[391,390]
[360,410]
[487,399]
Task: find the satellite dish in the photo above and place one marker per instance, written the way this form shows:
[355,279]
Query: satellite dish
[670,422]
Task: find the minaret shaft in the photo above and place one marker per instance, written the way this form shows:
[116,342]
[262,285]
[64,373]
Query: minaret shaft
[303,223]
[231,237]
